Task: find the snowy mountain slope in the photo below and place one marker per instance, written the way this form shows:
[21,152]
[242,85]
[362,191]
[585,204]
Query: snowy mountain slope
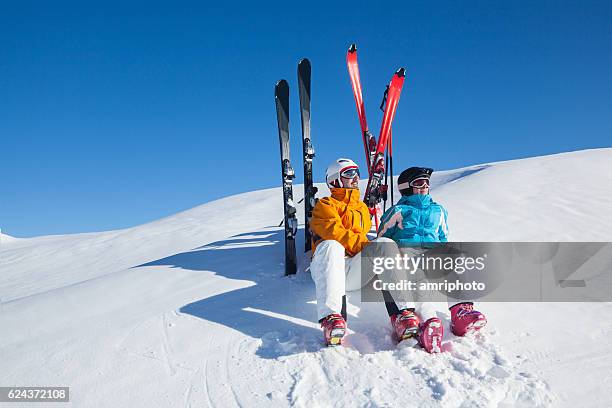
[4,238]
[562,197]
[79,257]
[192,310]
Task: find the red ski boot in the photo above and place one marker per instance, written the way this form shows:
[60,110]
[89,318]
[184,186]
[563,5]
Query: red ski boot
[405,324]
[465,319]
[430,335]
[334,328]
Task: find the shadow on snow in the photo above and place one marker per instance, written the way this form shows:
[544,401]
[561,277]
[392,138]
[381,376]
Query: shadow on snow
[278,311]
[446,179]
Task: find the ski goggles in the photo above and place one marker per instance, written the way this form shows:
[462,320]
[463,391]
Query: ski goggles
[420,183]
[350,173]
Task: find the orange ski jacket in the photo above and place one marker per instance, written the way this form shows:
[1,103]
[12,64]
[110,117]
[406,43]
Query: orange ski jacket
[342,217]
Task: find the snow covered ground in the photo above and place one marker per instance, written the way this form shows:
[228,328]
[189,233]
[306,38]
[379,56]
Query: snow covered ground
[193,309]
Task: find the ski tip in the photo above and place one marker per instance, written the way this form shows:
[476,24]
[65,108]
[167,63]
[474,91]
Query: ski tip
[401,72]
[352,48]
[304,61]
[282,83]
[281,88]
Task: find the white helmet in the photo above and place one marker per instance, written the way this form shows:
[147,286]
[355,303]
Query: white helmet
[332,174]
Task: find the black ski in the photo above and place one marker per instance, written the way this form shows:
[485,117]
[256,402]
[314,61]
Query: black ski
[307,149]
[281,96]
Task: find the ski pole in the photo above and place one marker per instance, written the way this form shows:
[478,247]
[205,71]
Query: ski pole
[386,178]
[390,147]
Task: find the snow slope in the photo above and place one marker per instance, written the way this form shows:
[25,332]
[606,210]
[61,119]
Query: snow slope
[193,310]
[4,238]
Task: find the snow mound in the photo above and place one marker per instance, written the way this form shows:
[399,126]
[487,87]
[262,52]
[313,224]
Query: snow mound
[198,302]
[4,238]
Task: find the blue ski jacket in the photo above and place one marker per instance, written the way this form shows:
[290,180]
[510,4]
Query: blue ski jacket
[415,219]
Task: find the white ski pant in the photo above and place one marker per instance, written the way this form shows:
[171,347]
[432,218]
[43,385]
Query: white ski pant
[334,274]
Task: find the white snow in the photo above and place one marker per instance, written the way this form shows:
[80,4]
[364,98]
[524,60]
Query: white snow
[193,309]
[4,238]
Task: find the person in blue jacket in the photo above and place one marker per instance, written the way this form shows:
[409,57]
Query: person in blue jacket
[417,220]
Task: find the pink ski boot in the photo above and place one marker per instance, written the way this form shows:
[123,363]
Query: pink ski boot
[405,324]
[334,328]
[430,335]
[465,319]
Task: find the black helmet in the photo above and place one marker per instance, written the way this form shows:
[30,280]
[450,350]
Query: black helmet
[409,175]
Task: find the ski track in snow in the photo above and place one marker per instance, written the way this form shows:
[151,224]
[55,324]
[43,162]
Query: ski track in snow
[192,310]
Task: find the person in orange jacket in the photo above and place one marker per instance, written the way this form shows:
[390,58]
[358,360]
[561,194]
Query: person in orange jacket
[339,225]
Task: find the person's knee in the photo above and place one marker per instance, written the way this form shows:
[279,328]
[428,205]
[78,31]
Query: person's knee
[328,252]
[386,247]
[330,245]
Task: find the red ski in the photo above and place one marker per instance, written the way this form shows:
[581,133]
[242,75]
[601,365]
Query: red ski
[369,142]
[374,151]
[375,190]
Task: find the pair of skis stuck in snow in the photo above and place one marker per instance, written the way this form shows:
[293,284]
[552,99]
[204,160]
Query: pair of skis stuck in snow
[375,150]
[376,191]
[281,96]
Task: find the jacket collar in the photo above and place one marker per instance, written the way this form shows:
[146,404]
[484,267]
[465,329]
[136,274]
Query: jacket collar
[346,195]
[416,200]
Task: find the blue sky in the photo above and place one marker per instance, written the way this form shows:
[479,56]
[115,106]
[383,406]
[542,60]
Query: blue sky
[121,113]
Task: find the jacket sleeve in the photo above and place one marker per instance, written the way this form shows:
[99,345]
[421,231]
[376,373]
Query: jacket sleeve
[388,222]
[443,229]
[327,224]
